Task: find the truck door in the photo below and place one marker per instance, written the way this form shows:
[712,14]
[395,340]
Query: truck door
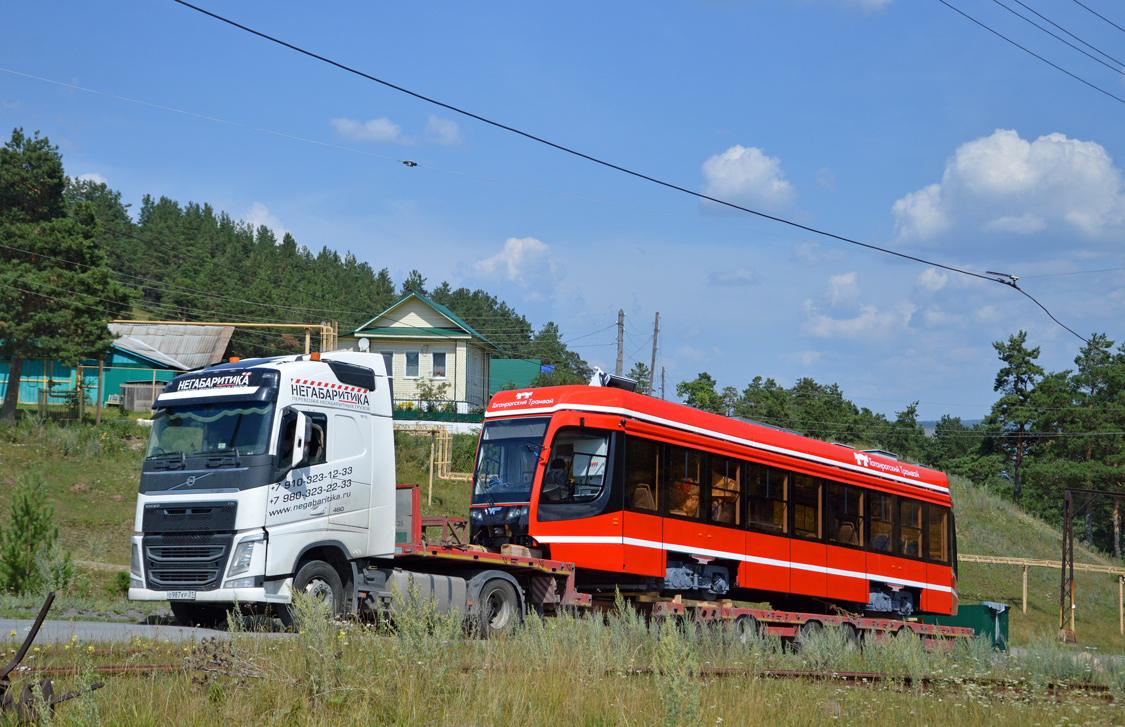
[349,479]
[297,505]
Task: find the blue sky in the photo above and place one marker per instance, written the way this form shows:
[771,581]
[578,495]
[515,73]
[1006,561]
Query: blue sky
[899,124]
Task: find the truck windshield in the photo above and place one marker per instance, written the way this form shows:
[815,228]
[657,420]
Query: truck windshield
[205,429]
[506,460]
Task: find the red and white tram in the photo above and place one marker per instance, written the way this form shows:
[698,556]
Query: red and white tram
[647,495]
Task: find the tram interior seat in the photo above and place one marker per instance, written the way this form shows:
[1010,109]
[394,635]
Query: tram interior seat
[642,498]
[881,543]
[847,534]
[723,511]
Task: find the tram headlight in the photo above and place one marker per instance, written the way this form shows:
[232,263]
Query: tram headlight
[515,514]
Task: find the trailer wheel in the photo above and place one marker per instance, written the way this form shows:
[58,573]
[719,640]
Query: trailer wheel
[198,614]
[809,630]
[320,581]
[747,629]
[497,608]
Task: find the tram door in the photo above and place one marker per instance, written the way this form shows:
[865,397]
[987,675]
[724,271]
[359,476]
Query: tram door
[579,511]
[642,526]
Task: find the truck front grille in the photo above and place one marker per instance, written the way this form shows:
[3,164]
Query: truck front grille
[185,561]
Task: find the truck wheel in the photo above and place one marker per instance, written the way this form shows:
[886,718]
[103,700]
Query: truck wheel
[320,581]
[187,613]
[809,630]
[497,608]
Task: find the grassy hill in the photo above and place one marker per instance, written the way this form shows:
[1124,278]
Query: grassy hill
[91,478]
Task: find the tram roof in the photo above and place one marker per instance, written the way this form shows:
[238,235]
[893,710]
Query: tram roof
[618,402]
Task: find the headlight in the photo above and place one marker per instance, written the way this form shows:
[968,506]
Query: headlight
[243,554]
[135,580]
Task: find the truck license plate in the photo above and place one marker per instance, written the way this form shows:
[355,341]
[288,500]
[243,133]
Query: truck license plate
[181,595]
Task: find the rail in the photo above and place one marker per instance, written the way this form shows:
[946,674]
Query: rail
[1027,563]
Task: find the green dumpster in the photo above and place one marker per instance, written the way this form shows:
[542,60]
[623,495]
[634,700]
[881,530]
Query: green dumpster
[986,619]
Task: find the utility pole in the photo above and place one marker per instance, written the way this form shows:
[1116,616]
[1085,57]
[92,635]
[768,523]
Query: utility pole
[652,368]
[662,383]
[620,341]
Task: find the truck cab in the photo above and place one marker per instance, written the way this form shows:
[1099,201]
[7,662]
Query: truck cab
[262,476]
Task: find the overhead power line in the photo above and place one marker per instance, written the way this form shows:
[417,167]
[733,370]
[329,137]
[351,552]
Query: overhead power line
[610,165]
[1062,40]
[1030,52]
[1100,16]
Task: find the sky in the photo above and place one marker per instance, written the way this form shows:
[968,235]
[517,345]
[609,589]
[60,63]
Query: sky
[902,125]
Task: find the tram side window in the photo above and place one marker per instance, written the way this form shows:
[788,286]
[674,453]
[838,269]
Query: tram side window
[806,506]
[880,513]
[577,470]
[726,491]
[937,541]
[845,508]
[642,474]
[767,494]
[910,528]
[684,473]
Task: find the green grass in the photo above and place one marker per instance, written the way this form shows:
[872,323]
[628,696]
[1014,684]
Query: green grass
[572,670]
[990,525]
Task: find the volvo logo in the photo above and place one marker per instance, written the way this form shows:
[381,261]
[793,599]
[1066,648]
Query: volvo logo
[190,481]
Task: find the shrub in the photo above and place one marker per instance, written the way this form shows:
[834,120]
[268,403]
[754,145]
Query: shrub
[28,535]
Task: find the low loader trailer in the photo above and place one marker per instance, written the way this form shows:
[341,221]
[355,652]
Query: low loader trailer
[272,476]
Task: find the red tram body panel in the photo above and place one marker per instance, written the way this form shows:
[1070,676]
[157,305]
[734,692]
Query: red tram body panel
[642,494]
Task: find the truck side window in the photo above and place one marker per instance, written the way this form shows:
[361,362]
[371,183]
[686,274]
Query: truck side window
[318,442]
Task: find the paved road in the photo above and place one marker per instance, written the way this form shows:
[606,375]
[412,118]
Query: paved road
[57,632]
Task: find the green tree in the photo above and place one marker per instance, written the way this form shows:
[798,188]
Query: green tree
[29,532]
[700,393]
[1016,380]
[57,292]
[641,374]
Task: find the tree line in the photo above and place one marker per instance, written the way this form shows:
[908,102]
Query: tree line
[1045,433]
[75,258]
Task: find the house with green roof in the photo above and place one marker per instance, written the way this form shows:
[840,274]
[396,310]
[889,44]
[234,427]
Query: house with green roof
[424,343]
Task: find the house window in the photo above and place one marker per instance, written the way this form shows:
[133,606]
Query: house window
[438,362]
[412,368]
[389,362]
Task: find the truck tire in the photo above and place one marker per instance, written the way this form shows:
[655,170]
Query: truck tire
[497,609]
[208,616]
[321,581]
[747,629]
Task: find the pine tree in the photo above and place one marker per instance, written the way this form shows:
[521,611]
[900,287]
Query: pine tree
[1016,380]
[57,292]
[28,532]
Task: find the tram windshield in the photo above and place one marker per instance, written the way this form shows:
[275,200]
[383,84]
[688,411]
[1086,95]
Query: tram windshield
[506,460]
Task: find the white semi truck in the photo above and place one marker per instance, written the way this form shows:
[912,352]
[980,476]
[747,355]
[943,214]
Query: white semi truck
[266,476]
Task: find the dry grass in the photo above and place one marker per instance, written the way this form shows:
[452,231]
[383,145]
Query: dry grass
[571,670]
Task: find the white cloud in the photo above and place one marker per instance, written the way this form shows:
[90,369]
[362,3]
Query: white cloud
[744,175]
[525,261]
[1025,224]
[733,278]
[933,279]
[442,132]
[375,131]
[92,177]
[814,253]
[842,287]
[826,178]
[259,214]
[870,322]
[802,358]
[919,215]
[1002,183]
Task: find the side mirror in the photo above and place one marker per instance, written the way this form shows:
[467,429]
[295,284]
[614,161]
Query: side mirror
[302,434]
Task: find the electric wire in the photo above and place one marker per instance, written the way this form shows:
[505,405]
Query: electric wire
[1076,2]
[1061,40]
[998,34]
[1072,35]
[604,163]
